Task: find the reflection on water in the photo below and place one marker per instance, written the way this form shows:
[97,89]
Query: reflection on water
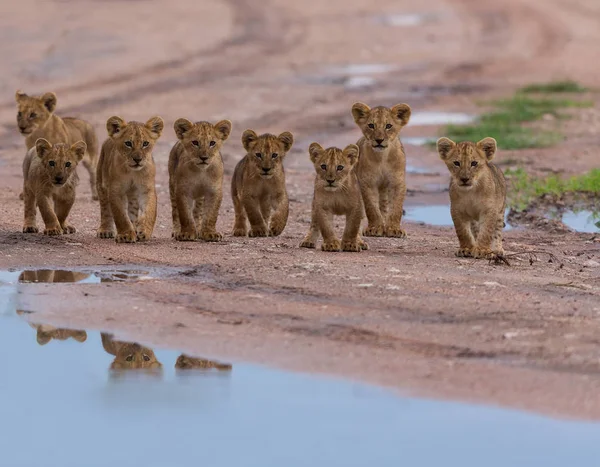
[45,332]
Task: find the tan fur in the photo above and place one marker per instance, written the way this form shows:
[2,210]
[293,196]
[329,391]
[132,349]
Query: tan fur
[52,275]
[49,182]
[381,168]
[477,196]
[36,119]
[185,362]
[196,179]
[336,193]
[126,180]
[129,355]
[45,333]
[258,185]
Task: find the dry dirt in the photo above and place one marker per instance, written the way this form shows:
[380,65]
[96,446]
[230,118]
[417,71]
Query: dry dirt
[405,314]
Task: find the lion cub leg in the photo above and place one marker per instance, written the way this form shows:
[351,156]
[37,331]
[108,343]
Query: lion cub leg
[125,231]
[497,236]
[280,217]
[187,230]
[90,166]
[29,225]
[240,227]
[197,214]
[212,202]
[258,226]
[107,224]
[370,196]
[144,225]
[350,238]
[487,235]
[462,225]
[50,220]
[62,206]
[325,222]
[311,238]
[392,227]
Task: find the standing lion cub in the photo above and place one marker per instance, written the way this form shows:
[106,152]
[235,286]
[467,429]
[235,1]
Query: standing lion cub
[381,168]
[336,192]
[196,179]
[36,119]
[50,182]
[126,180]
[477,196]
[258,185]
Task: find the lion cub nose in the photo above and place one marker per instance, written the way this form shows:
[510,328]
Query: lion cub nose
[379,141]
[266,170]
[58,179]
[330,181]
[464,180]
[137,159]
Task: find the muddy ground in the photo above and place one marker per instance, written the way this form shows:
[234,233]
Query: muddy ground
[406,313]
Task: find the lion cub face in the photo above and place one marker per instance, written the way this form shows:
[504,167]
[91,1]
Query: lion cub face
[202,140]
[266,152]
[380,125]
[466,161]
[134,356]
[134,141]
[59,160]
[333,166]
[33,112]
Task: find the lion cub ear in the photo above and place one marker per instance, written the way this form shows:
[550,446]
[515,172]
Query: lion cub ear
[287,139]
[79,149]
[182,126]
[114,125]
[223,129]
[488,146]
[49,101]
[155,125]
[351,152]
[360,112]
[79,336]
[42,147]
[19,95]
[314,151]
[43,337]
[401,113]
[249,137]
[444,146]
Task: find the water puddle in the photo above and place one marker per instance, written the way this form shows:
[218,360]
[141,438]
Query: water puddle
[582,221]
[438,215]
[93,399]
[440,118]
[559,220]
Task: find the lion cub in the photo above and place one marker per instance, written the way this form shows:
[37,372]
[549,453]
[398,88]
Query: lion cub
[129,355]
[196,179]
[185,362]
[477,196]
[258,185]
[381,168]
[36,119]
[126,174]
[336,192]
[50,182]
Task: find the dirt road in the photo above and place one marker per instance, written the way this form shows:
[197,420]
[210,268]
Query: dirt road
[407,313]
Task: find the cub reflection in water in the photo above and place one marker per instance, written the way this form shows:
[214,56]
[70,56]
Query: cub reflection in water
[52,275]
[184,362]
[45,332]
[129,355]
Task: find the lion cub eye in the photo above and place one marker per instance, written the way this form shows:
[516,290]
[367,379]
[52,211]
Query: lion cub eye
[457,163]
[32,115]
[195,143]
[68,164]
[146,358]
[324,166]
[212,143]
[129,358]
[388,126]
[474,164]
[371,125]
[259,155]
[340,168]
[19,114]
[146,144]
[129,144]
[51,163]
[274,155]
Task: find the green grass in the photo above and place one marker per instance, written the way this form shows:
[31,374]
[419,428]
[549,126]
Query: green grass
[505,122]
[525,187]
[554,87]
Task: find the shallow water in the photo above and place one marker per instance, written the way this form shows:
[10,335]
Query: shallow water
[60,400]
[582,221]
[437,214]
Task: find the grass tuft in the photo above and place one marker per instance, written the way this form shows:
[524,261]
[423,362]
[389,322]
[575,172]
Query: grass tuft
[554,87]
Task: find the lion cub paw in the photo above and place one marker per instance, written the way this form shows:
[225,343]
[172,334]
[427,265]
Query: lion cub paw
[363,245]
[351,245]
[308,243]
[258,232]
[374,231]
[275,231]
[53,231]
[211,236]
[486,253]
[105,234]
[69,229]
[143,236]
[30,229]
[464,252]
[333,245]
[128,237]
[395,232]
[186,236]
[240,232]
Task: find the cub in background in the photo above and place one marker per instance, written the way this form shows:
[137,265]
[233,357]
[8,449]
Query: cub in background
[126,180]
[258,185]
[477,196]
[196,179]
[337,192]
[49,182]
[36,119]
[381,168]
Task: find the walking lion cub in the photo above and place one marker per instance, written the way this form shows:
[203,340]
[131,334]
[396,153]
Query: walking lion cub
[336,192]
[477,196]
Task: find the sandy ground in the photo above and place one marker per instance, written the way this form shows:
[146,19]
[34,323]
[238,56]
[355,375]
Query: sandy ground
[407,313]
